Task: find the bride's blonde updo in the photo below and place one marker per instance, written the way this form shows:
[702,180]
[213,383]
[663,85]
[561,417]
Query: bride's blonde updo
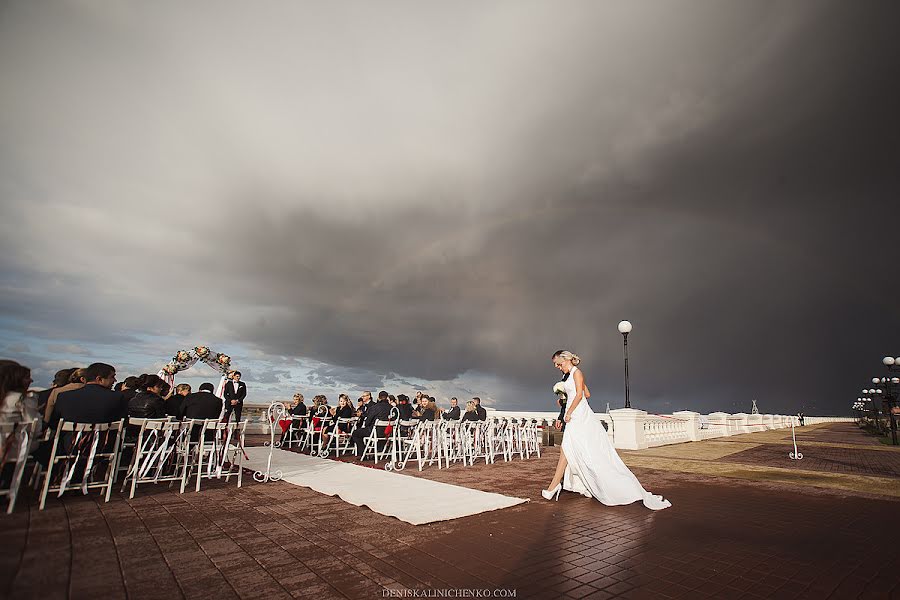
[566,355]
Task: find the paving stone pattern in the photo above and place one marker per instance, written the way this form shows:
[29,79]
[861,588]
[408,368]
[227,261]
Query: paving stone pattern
[721,539]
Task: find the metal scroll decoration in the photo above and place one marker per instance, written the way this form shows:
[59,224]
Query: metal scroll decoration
[274,414]
[795,455]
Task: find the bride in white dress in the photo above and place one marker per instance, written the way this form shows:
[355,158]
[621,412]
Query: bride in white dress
[588,463]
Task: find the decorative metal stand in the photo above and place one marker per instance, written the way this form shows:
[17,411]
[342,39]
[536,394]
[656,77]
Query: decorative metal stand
[274,414]
[795,455]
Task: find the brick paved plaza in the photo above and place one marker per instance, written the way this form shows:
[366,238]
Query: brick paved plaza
[746,522]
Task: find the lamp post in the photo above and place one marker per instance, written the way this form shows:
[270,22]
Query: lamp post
[859,407]
[625,329]
[866,397]
[889,395]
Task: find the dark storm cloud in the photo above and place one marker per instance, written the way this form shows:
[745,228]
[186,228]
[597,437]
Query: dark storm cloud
[444,191]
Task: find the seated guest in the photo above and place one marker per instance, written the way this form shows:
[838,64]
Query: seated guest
[344,411]
[94,402]
[148,402]
[129,387]
[76,382]
[471,414]
[173,402]
[364,408]
[203,404]
[43,398]
[427,409]
[453,413]
[378,411]
[404,408]
[297,407]
[17,406]
[417,404]
[482,413]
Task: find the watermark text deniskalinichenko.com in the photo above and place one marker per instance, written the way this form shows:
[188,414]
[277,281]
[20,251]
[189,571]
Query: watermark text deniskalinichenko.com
[448,593]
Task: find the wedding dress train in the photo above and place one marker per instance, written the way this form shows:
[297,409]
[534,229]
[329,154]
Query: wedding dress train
[595,468]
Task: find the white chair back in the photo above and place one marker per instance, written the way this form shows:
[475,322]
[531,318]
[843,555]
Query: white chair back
[78,451]
[16,438]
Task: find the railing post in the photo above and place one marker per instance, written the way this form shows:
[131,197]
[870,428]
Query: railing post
[693,423]
[720,420]
[737,423]
[628,428]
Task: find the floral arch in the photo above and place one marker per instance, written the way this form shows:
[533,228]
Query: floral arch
[185,359]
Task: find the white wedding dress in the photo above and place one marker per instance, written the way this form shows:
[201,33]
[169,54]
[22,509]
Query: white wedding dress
[595,468]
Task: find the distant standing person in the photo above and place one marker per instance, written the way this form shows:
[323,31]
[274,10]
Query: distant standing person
[234,394]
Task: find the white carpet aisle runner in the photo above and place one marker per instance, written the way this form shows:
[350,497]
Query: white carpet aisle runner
[411,499]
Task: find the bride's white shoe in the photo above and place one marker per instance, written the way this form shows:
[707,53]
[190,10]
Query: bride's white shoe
[555,491]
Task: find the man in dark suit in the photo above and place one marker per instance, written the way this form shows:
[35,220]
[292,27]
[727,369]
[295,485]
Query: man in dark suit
[479,410]
[378,411]
[234,394]
[364,409]
[93,403]
[203,404]
[173,402]
[561,419]
[453,413]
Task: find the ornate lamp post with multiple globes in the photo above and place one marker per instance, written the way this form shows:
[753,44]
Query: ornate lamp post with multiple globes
[860,407]
[625,329]
[867,398]
[889,392]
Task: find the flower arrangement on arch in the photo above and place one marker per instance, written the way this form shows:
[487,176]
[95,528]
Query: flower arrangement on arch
[182,356]
[171,368]
[201,351]
[223,359]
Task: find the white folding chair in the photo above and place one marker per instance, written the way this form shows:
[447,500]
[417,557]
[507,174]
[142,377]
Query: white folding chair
[295,432]
[221,454]
[15,441]
[375,439]
[312,438]
[79,449]
[530,438]
[454,442]
[339,438]
[425,443]
[160,453]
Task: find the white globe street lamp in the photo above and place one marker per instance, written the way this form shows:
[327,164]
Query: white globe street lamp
[625,328]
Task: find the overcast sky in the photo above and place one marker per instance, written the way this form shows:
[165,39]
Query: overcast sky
[438,195]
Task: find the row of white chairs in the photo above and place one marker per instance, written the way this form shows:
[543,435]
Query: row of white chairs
[396,441]
[86,456]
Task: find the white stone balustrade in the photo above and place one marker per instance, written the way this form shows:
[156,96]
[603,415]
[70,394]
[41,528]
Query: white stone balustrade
[634,429]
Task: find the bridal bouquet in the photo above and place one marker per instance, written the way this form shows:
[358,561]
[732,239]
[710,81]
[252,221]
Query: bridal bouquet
[560,389]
